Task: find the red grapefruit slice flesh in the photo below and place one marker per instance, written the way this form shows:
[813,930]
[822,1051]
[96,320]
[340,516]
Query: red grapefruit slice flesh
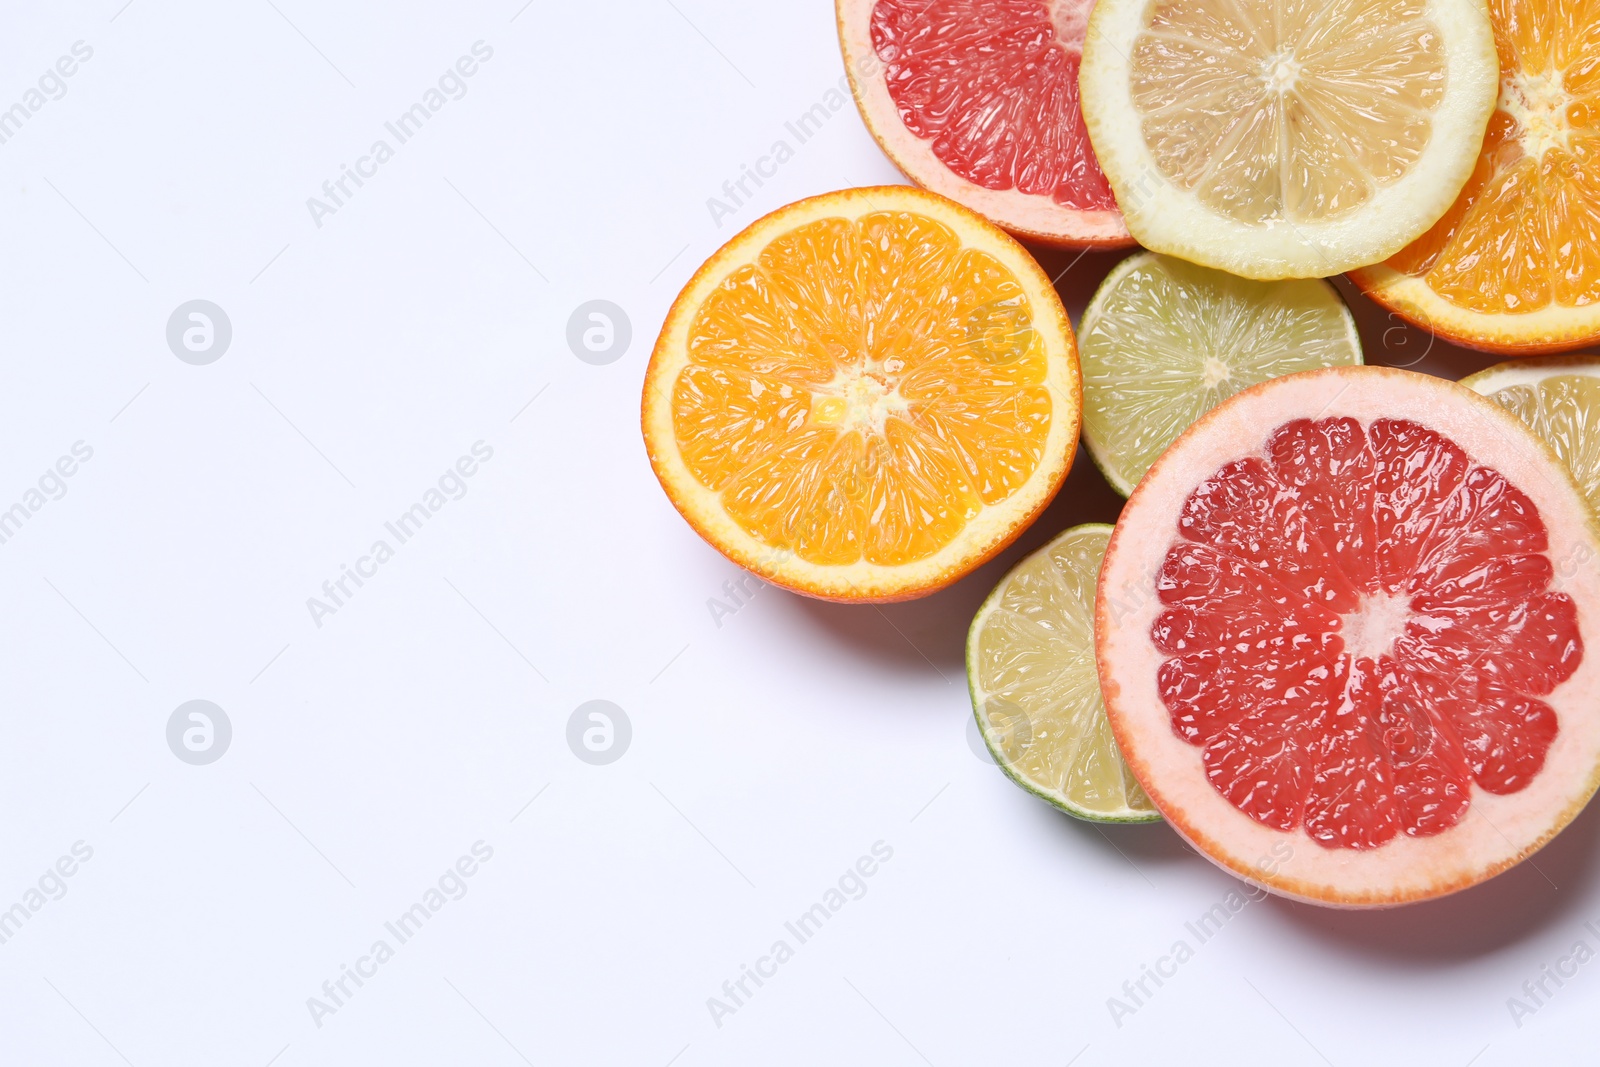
[1341,631]
[978,100]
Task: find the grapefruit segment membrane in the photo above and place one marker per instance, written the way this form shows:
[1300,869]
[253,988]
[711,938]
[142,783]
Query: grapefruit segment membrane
[1336,614]
[978,100]
[1459,603]
[864,395]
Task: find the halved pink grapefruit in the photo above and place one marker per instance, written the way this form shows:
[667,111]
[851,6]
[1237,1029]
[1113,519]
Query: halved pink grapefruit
[1341,641]
[978,100]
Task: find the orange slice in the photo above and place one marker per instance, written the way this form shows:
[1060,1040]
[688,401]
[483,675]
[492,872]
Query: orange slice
[1514,266]
[864,395]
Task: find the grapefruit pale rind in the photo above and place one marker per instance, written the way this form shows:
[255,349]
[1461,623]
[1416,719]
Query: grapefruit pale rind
[1027,215]
[1168,215]
[1548,330]
[1497,830]
[987,532]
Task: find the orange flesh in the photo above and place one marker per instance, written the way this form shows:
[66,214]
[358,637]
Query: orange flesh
[1525,234]
[863,390]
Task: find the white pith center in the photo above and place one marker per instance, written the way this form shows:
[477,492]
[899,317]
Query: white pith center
[1281,73]
[1538,104]
[1071,22]
[1370,631]
[858,399]
[1213,372]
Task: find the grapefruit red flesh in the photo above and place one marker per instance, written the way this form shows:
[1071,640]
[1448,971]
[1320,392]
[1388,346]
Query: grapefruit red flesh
[1355,625]
[1422,638]
[978,100]
[995,91]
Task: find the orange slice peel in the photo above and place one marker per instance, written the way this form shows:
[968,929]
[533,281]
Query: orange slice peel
[864,395]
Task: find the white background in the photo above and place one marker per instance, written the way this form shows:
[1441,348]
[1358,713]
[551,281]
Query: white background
[368,754]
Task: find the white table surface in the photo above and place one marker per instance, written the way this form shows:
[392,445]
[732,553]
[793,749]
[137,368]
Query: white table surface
[770,749]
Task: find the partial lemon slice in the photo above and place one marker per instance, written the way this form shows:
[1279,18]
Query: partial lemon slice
[1284,139]
[1559,399]
[1164,341]
[1035,691]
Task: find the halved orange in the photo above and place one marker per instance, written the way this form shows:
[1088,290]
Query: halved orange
[1514,266]
[864,395]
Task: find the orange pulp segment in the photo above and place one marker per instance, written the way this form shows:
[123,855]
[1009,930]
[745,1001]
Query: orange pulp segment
[1525,233]
[864,390]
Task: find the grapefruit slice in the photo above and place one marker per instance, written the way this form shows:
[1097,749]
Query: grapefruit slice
[1031,671]
[1164,341]
[1514,266]
[1340,643]
[1283,139]
[978,100]
[1558,398]
[864,395]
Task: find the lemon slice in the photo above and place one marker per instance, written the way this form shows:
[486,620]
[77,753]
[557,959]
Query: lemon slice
[1035,690]
[1284,139]
[1559,399]
[1164,341]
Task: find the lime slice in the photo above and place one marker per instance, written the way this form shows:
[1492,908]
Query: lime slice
[1164,341]
[1035,690]
[1558,397]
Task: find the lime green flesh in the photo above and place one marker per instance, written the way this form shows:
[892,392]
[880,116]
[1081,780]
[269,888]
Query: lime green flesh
[1559,399]
[1164,341]
[1031,669]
